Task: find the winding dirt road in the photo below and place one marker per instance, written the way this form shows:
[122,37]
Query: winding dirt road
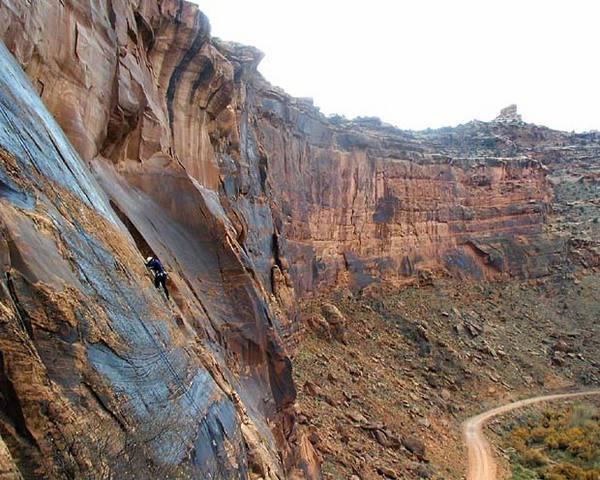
[482,465]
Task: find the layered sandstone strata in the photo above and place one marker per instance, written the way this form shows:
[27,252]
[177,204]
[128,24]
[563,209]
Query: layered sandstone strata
[249,196]
[361,198]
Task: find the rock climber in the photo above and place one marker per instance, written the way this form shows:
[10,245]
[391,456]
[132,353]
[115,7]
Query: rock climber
[160,276]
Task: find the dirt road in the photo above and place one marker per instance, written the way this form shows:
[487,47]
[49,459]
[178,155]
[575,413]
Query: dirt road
[482,465]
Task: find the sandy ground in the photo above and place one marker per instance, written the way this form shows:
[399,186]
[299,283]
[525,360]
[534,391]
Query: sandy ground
[482,465]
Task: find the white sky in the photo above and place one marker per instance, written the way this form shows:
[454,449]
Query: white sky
[427,63]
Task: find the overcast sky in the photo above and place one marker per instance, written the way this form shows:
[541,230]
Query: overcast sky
[427,63]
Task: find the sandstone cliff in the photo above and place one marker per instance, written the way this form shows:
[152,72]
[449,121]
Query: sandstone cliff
[249,196]
[100,377]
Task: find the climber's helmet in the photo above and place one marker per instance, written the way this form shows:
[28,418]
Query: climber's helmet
[148,259]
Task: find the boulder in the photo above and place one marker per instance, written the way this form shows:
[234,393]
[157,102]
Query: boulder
[336,320]
[415,446]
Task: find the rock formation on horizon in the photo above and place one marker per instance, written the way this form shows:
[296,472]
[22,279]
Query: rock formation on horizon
[153,138]
[509,114]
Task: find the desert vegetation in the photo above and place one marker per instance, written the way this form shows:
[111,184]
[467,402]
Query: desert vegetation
[557,444]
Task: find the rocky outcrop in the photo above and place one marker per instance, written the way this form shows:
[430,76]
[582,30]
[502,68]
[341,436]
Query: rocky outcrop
[174,145]
[509,114]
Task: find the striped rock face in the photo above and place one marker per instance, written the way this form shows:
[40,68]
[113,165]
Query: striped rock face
[126,130]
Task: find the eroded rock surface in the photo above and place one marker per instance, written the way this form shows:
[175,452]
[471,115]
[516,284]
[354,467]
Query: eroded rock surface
[101,377]
[174,145]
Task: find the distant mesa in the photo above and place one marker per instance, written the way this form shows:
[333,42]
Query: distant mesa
[509,114]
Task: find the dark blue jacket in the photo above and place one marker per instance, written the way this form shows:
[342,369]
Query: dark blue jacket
[156,266]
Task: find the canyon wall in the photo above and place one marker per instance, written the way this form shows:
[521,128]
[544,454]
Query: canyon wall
[101,377]
[175,145]
[381,203]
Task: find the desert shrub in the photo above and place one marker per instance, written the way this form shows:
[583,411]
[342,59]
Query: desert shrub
[520,435]
[538,434]
[555,476]
[534,458]
[522,473]
[586,451]
[566,471]
[552,441]
[557,445]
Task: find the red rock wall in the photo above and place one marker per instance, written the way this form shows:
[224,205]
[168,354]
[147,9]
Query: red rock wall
[376,202]
[147,89]
[251,197]
[139,90]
